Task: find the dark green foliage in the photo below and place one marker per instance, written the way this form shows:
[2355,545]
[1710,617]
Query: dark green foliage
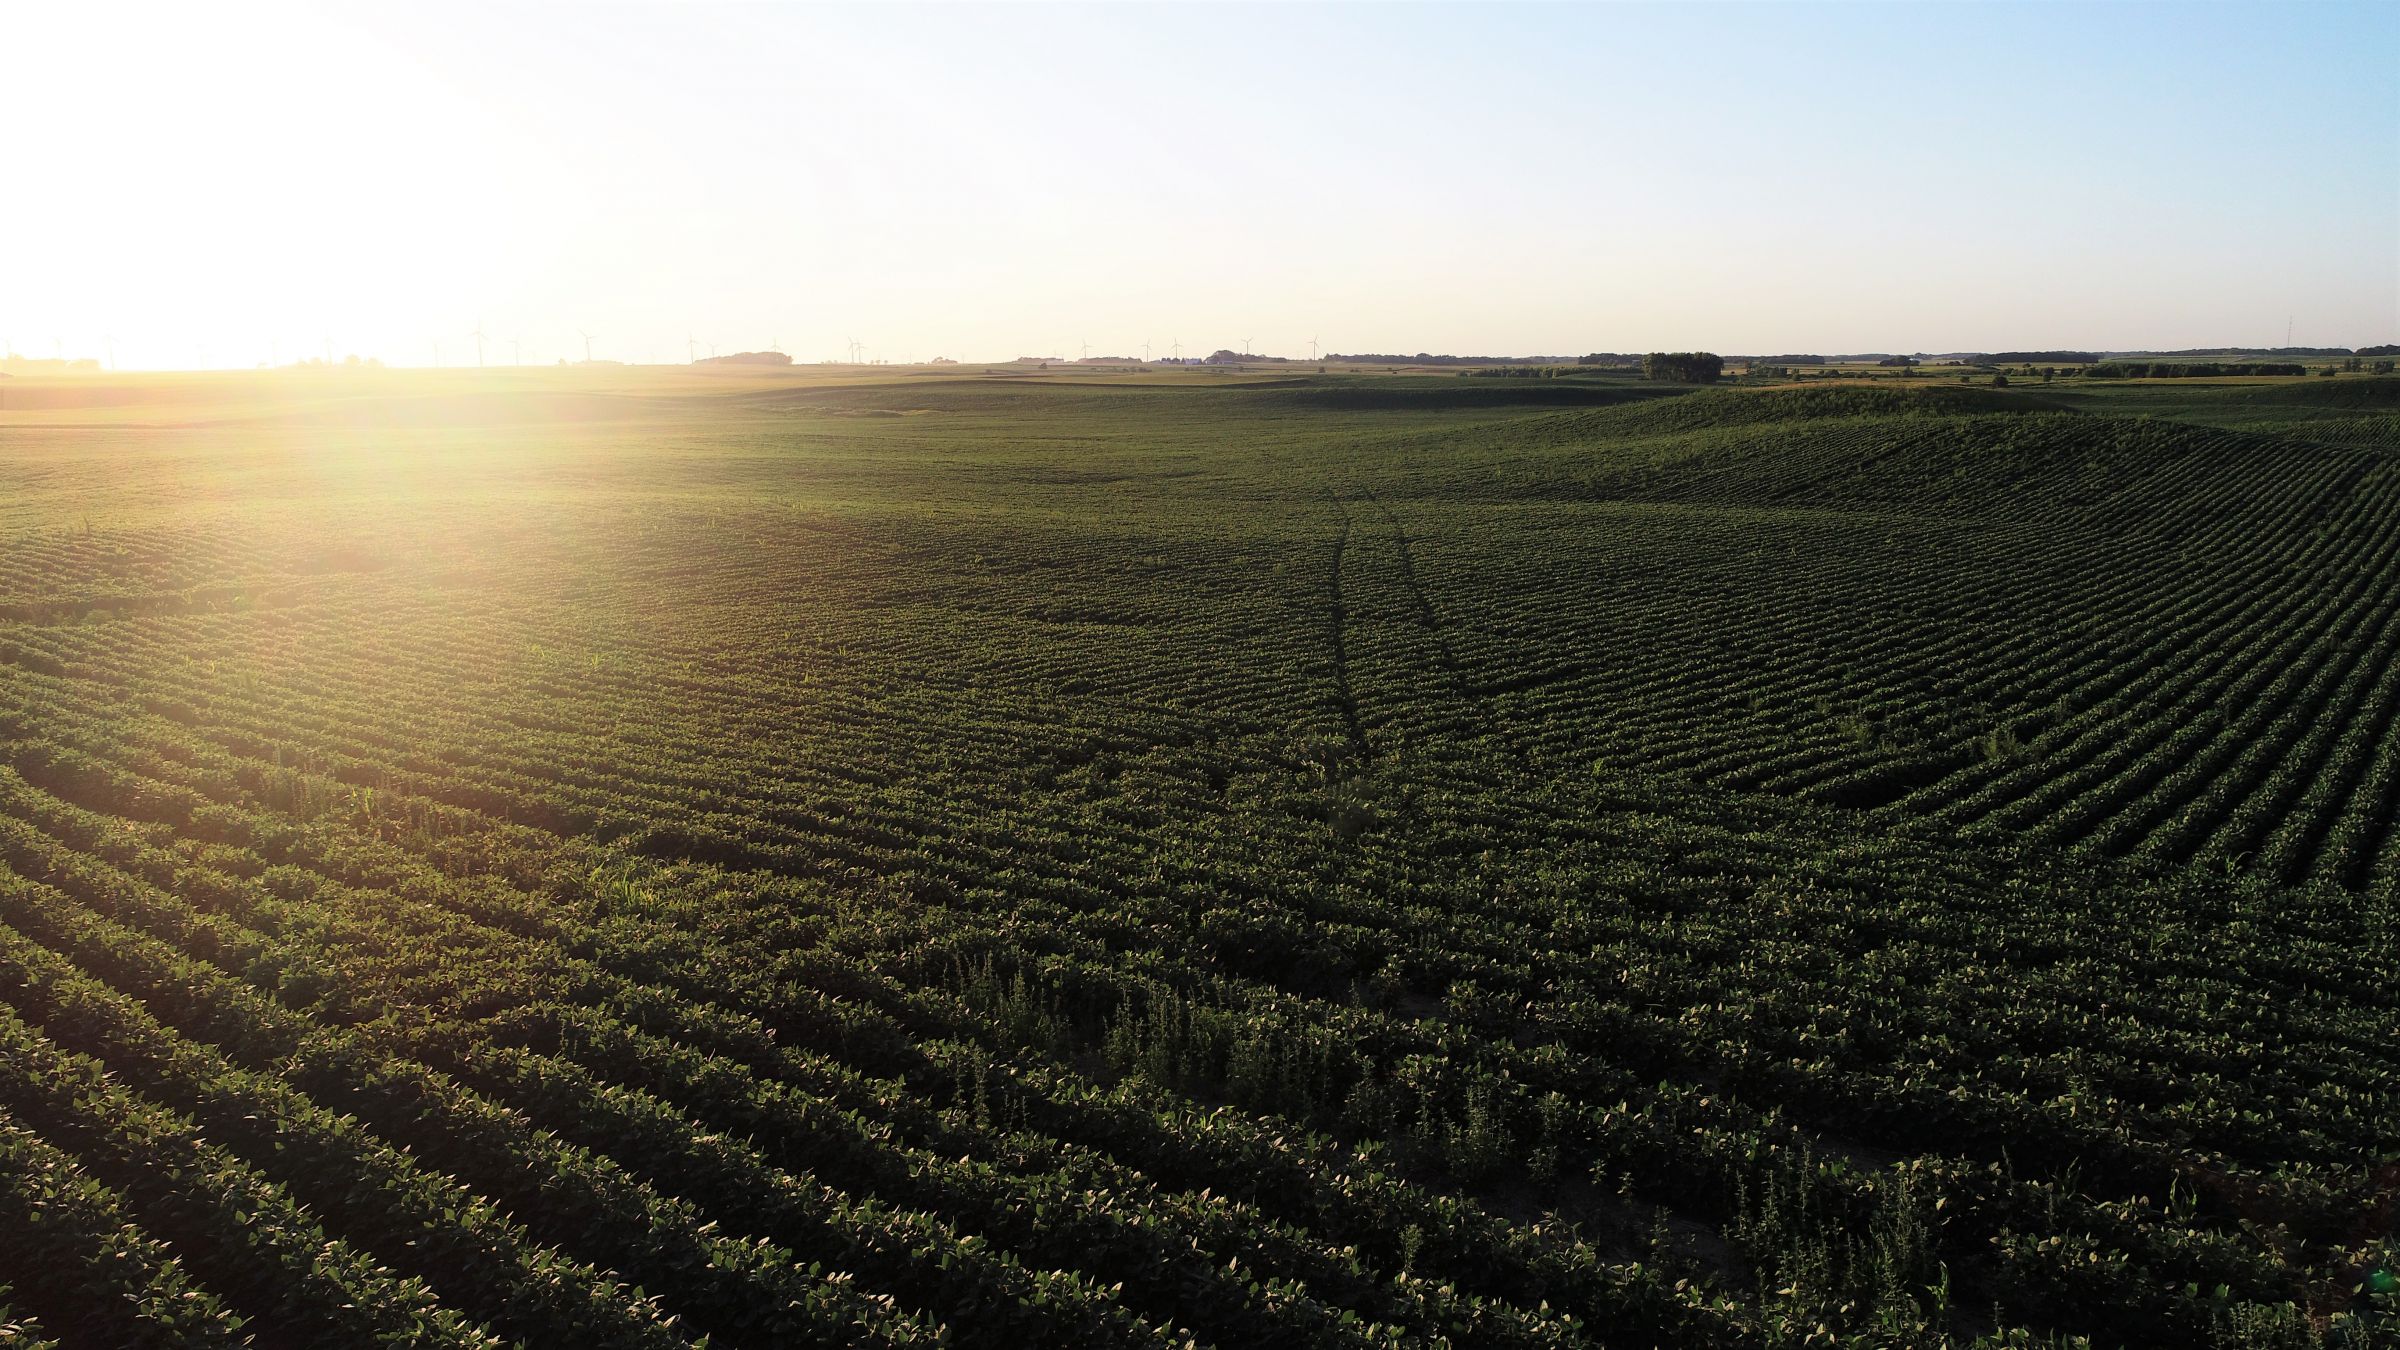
[1520,372]
[2162,370]
[1683,367]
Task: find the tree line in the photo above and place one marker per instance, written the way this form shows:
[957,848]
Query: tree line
[2161,370]
[1683,367]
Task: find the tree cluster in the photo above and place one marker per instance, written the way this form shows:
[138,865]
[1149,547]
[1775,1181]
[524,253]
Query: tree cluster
[1683,367]
[2041,358]
[746,359]
[1431,359]
[2163,370]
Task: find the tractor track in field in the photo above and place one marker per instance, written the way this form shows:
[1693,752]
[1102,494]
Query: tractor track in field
[1339,617]
[1431,621]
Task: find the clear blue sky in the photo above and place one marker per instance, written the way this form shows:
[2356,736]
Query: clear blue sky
[991,181]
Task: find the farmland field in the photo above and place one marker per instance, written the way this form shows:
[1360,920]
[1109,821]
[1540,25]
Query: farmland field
[629,859]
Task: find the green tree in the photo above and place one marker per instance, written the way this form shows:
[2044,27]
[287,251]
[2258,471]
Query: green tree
[1683,367]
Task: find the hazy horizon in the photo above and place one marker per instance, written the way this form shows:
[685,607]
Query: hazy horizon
[255,184]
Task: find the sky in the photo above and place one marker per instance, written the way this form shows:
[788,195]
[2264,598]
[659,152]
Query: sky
[231,184]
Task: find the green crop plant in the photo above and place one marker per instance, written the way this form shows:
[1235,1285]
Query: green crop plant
[1323,859]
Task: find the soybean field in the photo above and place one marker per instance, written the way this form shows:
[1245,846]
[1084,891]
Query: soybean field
[653,859]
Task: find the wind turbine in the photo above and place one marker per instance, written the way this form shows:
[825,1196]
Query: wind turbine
[1177,348]
[1245,346]
[587,345]
[691,349]
[1312,349]
[1145,351]
[712,351]
[111,344]
[1087,351]
[328,351]
[479,344]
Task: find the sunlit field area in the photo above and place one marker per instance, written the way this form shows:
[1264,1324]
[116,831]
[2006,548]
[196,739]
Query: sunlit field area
[634,857]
